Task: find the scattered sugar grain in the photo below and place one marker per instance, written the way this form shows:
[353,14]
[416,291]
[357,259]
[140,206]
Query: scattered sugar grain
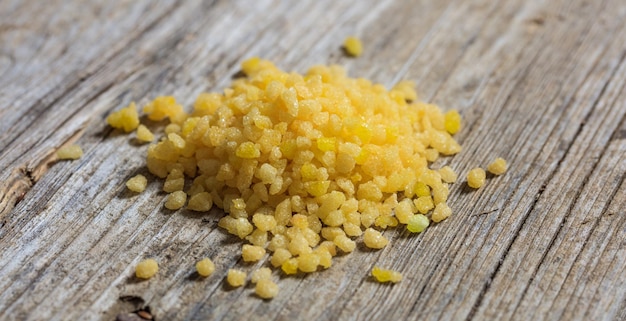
[205,267]
[476,177]
[146,269]
[126,118]
[498,166]
[353,46]
[137,183]
[70,152]
[384,275]
[144,134]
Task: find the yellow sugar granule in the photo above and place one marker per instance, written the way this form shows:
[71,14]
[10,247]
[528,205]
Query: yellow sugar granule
[452,121]
[424,204]
[345,243]
[126,119]
[418,223]
[205,267]
[353,46]
[442,211]
[374,239]
[137,183]
[146,269]
[290,266]
[404,211]
[164,107]
[175,200]
[70,152]
[252,253]
[261,274]
[308,262]
[236,278]
[406,89]
[144,134]
[476,177]
[447,174]
[266,289]
[279,257]
[384,275]
[498,166]
[200,202]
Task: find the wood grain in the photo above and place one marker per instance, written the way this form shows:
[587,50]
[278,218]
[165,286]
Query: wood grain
[540,83]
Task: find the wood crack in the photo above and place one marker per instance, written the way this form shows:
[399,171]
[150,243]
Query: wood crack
[24,177]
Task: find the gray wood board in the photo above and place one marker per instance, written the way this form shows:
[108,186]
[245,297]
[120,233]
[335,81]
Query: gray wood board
[539,83]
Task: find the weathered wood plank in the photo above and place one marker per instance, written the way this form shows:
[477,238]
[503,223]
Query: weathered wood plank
[538,83]
[596,234]
[51,75]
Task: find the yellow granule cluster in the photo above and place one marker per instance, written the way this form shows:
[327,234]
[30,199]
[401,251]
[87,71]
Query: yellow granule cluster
[137,183]
[305,164]
[497,167]
[126,118]
[146,269]
[205,267]
[383,275]
[353,46]
[70,152]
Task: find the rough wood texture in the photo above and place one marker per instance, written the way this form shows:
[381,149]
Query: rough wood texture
[540,83]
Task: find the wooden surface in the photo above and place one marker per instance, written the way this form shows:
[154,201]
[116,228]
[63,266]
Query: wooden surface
[540,83]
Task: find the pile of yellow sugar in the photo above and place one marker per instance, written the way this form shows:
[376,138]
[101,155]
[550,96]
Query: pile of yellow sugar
[303,165]
[297,159]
